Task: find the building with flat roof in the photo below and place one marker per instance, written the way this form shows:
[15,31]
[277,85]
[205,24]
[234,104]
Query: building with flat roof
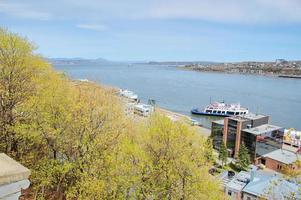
[230,131]
[234,188]
[262,139]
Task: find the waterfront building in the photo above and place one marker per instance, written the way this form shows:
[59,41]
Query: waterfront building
[268,145]
[230,131]
[261,140]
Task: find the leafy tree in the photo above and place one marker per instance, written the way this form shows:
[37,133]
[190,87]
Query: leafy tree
[19,68]
[223,154]
[79,144]
[243,157]
[209,150]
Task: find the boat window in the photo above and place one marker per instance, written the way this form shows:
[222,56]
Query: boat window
[237,113]
[208,111]
[214,111]
[230,113]
[219,112]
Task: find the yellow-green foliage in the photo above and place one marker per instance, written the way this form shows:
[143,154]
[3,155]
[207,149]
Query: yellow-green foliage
[79,145]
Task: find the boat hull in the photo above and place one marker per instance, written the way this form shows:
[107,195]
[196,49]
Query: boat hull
[197,112]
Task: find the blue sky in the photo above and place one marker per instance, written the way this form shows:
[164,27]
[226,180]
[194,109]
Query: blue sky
[182,30]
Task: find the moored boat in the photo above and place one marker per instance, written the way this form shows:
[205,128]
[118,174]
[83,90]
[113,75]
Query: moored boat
[221,109]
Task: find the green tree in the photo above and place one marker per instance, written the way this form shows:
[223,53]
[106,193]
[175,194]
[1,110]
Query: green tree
[223,154]
[243,160]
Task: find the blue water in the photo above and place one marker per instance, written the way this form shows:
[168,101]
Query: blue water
[180,90]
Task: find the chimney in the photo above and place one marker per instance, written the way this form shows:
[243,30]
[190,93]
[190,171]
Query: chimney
[253,174]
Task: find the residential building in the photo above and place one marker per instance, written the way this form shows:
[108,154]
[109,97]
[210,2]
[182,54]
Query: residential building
[233,189]
[280,158]
[261,184]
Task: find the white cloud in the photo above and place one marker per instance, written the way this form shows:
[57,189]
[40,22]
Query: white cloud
[22,11]
[225,11]
[94,27]
[237,11]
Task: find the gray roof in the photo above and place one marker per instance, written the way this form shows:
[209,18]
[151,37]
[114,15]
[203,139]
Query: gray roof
[239,181]
[284,156]
[249,116]
[270,185]
[265,128]
[220,122]
[11,171]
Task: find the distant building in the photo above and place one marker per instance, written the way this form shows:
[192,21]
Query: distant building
[280,61]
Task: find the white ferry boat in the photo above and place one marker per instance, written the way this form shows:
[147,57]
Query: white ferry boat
[221,109]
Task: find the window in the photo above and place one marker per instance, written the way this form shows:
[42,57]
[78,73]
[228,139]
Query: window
[219,112]
[248,198]
[229,193]
[279,167]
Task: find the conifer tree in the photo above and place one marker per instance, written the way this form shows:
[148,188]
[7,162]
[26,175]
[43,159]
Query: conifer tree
[243,157]
[223,154]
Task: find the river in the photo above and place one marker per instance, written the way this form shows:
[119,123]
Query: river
[181,90]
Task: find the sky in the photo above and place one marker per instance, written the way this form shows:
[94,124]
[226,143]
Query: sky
[161,30]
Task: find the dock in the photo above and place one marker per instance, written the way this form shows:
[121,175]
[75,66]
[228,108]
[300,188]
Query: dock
[290,76]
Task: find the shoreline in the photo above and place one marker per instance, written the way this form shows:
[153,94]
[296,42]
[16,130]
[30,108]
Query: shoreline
[280,76]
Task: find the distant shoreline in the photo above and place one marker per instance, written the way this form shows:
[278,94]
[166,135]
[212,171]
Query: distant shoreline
[291,76]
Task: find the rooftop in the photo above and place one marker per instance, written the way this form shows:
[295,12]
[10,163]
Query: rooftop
[249,116]
[220,122]
[263,181]
[284,156]
[265,128]
[11,171]
[239,181]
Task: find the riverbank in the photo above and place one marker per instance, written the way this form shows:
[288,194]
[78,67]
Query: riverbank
[279,68]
